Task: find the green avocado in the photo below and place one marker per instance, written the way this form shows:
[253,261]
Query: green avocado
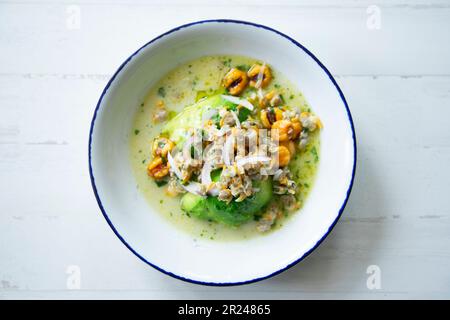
[191,116]
[233,213]
[211,208]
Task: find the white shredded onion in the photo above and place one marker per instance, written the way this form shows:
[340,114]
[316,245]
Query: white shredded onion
[223,130]
[186,149]
[251,160]
[194,187]
[208,114]
[227,149]
[236,119]
[206,174]
[214,191]
[173,166]
[260,93]
[260,76]
[243,102]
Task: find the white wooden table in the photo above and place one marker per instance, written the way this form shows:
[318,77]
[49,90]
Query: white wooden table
[392,62]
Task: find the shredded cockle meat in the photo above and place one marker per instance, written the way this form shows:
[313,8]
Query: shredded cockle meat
[239,144]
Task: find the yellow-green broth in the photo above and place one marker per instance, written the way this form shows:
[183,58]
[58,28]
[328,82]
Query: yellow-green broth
[180,88]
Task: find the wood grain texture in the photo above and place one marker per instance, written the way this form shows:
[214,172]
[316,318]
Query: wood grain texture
[397,83]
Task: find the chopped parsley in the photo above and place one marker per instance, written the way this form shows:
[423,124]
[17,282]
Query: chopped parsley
[162,92]
[243,67]
[243,114]
[172,114]
[200,95]
[227,63]
[314,153]
[160,183]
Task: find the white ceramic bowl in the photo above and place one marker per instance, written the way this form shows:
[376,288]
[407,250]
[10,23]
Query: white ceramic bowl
[147,234]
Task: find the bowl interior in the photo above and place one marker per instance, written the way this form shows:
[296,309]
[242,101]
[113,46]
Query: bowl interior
[151,236]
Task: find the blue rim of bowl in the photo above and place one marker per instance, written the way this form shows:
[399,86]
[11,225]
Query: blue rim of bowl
[349,118]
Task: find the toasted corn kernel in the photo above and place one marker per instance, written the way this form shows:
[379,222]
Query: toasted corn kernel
[282,130]
[157,169]
[272,99]
[235,81]
[265,118]
[270,115]
[161,146]
[290,145]
[297,126]
[284,156]
[278,114]
[254,72]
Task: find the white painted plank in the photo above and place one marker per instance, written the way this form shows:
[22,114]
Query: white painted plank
[396,81]
[411,41]
[398,216]
[419,4]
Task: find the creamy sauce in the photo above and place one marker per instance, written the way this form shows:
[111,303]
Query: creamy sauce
[180,88]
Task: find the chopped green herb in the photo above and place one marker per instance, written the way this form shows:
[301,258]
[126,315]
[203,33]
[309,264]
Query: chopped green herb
[171,114]
[232,107]
[243,67]
[314,153]
[200,95]
[276,85]
[243,114]
[161,183]
[227,63]
[162,92]
[216,119]
[136,131]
